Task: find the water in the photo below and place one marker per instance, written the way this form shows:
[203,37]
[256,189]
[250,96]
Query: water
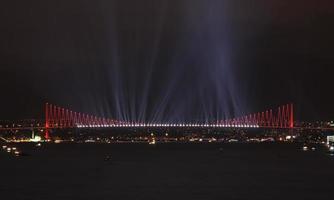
[167,171]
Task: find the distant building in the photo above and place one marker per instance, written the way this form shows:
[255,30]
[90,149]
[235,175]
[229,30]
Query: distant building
[331,123]
[330,139]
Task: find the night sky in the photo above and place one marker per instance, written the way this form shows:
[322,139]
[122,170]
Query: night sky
[159,60]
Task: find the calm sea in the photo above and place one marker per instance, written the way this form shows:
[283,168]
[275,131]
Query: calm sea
[167,171]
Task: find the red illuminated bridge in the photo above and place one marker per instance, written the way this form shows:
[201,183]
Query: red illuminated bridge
[60,118]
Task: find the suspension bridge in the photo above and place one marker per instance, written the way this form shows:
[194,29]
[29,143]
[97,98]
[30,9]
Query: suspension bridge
[57,117]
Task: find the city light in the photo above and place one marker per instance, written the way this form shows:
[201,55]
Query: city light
[36,139]
[331,148]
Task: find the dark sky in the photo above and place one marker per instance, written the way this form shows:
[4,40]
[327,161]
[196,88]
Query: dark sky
[169,60]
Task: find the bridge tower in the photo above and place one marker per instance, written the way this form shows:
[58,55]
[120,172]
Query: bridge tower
[47,125]
[291,116]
